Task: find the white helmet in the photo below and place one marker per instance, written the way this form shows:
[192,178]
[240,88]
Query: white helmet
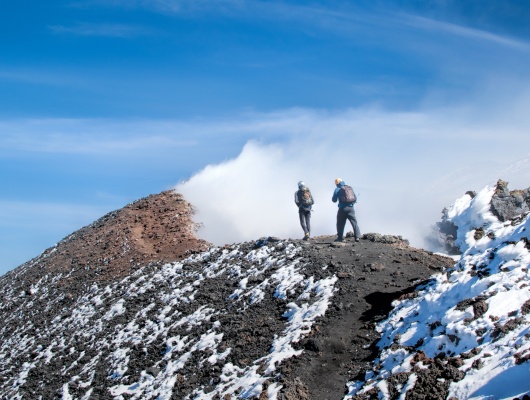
[301,184]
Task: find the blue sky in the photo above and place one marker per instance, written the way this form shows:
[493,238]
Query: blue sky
[104,102]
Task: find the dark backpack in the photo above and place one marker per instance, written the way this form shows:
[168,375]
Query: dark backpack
[347,195]
[305,197]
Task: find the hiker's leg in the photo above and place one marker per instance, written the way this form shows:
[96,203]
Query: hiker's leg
[341,221]
[308,221]
[353,221]
[301,213]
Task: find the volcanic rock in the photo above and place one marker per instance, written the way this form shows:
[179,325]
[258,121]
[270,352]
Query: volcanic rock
[509,205]
[136,303]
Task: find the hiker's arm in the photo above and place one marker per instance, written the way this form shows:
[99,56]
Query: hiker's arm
[335,195]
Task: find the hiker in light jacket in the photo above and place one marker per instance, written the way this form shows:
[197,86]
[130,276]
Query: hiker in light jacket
[345,212]
[304,200]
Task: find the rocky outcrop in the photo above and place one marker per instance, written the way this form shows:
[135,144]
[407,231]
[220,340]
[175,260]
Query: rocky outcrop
[395,240]
[443,235]
[155,229]
[509,205]
[506,205]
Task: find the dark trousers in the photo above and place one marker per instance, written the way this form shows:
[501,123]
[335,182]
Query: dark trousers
[347,213]
[305,219]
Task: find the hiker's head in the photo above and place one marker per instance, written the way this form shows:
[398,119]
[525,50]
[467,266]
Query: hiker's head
[338,181]
[301,184]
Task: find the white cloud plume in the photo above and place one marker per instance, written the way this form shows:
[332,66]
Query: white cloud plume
[405,166]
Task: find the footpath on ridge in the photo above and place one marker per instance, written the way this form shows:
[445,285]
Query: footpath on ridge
[372,273]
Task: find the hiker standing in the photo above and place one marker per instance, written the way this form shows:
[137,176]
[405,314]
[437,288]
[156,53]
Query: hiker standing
[346,198]
[304,201]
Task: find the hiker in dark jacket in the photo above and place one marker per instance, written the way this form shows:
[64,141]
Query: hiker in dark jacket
[345,212]
[304,200]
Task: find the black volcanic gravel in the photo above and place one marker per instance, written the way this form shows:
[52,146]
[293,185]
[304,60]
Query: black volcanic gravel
[39,298]
[371,276]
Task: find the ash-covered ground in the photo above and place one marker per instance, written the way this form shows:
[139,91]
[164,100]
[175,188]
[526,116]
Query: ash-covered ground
[372,274]
[136,307]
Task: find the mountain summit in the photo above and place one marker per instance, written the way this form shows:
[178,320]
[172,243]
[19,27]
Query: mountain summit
[134,306]
[155,229]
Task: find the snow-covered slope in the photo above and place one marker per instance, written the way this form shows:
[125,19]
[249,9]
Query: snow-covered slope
[468,330]
[161,333]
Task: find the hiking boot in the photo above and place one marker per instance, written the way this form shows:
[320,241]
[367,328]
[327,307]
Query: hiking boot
[306,236]
[357,240]
[338,240]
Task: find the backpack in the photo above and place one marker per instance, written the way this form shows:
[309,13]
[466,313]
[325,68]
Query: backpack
[347,195]
[305,197]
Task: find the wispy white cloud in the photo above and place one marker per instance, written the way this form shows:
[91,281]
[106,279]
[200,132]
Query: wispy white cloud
[369,24]
[72,143]
[345,20]
[35,76]
[41,215]
[107,30]
[100,136]
[175,6]
[82,136]
[466,121]
[351,20]
[163,6]
[428,24]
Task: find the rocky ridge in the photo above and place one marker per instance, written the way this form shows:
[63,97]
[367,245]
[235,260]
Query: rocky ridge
[134,306]
[155,229]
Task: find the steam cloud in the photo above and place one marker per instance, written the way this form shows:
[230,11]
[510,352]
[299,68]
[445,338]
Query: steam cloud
[405,167]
